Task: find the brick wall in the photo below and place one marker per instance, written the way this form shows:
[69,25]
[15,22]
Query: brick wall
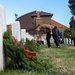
[59,26]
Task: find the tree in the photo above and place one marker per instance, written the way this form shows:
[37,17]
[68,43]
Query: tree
[72,6]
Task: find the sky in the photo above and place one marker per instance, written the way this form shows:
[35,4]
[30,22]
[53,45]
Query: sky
[59,9]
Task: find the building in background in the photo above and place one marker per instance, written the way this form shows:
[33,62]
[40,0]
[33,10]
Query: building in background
[30,21]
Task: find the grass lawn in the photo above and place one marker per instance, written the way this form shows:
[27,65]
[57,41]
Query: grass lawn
[60,61]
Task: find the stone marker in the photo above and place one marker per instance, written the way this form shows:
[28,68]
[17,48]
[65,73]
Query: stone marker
[2,30]
[23,35]
[16,30]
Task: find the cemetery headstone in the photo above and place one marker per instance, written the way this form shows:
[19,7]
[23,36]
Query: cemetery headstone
[2,30]
[15,26]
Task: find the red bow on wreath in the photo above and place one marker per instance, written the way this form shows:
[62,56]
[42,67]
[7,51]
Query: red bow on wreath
[27,54]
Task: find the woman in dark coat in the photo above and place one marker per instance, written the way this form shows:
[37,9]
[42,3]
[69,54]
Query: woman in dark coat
[72,25]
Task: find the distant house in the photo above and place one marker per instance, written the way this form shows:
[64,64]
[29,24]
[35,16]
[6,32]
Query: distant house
[30,20]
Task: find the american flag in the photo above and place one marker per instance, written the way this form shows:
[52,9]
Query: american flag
[16,15]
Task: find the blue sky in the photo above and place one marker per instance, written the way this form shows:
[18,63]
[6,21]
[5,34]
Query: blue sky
[59,8]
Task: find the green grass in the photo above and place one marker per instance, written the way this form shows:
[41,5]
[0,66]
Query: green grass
[63,58]
[59,61]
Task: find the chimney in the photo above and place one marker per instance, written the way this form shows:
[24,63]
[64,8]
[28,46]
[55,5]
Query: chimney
[38,18]
[38,14]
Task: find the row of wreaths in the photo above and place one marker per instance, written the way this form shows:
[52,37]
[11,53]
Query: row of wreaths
[69,33]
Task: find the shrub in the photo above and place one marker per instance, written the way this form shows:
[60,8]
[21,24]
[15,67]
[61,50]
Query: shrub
[19,57]
[32,45]
[69,33]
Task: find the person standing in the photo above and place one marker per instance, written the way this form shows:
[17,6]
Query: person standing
[72,25]
[48,36]
[55,34]
[48,32]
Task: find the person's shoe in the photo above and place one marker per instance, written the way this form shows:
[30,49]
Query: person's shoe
[49,47]
[57,46]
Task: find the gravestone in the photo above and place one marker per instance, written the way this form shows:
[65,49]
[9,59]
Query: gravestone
[65,40]
[15,27]
[72,42]
[2,30]
[1,50]
[69,40]
[28,36]
[23,35]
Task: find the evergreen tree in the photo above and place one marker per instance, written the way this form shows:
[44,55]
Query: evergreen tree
[72,6]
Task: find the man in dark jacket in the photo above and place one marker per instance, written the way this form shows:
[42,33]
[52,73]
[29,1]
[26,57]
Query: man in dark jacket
[55,33]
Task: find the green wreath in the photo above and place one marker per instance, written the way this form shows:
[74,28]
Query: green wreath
[69,33]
